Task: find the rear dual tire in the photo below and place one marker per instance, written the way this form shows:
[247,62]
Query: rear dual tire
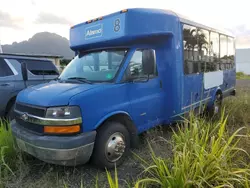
[215,110]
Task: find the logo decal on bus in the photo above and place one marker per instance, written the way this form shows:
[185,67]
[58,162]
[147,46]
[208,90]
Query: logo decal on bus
[93,31]
[117,25]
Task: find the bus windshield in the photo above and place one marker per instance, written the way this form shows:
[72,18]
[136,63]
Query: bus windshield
[97,66]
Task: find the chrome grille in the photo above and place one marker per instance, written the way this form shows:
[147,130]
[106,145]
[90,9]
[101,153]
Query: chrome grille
[34,110]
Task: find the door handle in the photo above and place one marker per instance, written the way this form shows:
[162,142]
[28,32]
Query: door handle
[5,84]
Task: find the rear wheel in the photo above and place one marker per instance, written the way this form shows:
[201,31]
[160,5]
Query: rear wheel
[215,109]
[111,146]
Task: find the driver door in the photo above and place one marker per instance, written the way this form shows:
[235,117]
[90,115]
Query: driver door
[145,90]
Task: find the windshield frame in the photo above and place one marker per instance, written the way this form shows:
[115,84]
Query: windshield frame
[82,53]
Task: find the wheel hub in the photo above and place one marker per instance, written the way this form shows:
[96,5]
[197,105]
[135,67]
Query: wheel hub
[115,147]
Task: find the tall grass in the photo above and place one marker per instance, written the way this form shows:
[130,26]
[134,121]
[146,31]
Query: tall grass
[9,155]
[205,155]
[8,152]
[238,108]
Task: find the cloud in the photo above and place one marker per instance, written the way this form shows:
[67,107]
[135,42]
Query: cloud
[33,2]
[242,34]
[243,41]
[48,18]
[6,20]
[240,30]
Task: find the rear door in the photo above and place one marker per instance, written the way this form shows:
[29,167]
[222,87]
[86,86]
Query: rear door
[146,94]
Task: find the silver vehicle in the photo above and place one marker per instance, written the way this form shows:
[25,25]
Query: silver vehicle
[18,72]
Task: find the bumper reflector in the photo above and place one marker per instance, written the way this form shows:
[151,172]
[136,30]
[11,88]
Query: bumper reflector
[62,129]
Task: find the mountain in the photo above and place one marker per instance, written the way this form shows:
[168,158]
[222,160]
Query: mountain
[42,43]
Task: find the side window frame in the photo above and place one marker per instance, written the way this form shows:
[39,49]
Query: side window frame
[125,76]
[9,69]
[194,62]
[223,65]
[231,60]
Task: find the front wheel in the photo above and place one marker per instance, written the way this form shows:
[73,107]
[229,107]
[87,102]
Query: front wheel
[111,146]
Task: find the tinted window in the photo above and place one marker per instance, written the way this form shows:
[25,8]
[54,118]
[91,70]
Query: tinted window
[231,52]
[39,67]
[136,67]
[223,53]
[191,54]
[4,69]
[203,48]
[214,52]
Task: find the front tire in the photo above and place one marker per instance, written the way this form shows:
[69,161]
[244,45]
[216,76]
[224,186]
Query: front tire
[111,146]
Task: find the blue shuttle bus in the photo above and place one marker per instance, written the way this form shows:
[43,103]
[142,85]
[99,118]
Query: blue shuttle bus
[133,70]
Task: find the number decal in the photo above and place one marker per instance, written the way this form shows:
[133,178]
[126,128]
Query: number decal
[117,25]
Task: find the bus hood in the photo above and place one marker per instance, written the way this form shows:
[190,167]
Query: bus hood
[52,94]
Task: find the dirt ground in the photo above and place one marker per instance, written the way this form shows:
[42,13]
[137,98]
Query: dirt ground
[40,174]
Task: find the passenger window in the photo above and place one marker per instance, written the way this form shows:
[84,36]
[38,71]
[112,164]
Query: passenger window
[203,48]
[142,64]
[214,52]
[231,52]
[4,69]
[191,54]
[223,53]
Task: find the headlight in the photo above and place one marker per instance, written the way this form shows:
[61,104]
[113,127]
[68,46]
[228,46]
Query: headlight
[66,112]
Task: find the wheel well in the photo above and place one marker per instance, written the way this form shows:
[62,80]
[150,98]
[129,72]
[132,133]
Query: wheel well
[10,103]
[125,120]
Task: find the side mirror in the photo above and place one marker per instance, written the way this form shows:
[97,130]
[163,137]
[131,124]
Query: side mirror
[24,71]
[148,61]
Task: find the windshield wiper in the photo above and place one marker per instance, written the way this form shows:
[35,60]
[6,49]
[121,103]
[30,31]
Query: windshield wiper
[80,79]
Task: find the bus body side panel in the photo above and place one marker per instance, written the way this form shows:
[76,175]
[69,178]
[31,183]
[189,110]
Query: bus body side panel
[177,73]
[191,91]
[229,81]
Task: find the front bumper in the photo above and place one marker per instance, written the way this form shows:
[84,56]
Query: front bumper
[62,150]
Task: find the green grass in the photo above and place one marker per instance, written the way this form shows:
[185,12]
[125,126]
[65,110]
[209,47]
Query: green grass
[12,163]
[8,152]
[242,76]
[205,155]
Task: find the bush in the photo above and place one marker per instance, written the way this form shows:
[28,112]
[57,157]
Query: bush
[241,75]
[205,155]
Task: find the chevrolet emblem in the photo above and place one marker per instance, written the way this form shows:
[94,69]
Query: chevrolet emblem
[24,117]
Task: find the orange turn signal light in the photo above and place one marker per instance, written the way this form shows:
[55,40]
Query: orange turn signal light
[62,129]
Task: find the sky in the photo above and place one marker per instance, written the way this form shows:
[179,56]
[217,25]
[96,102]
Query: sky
[21,19]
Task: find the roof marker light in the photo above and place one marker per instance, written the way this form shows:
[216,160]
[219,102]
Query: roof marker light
[124,10]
